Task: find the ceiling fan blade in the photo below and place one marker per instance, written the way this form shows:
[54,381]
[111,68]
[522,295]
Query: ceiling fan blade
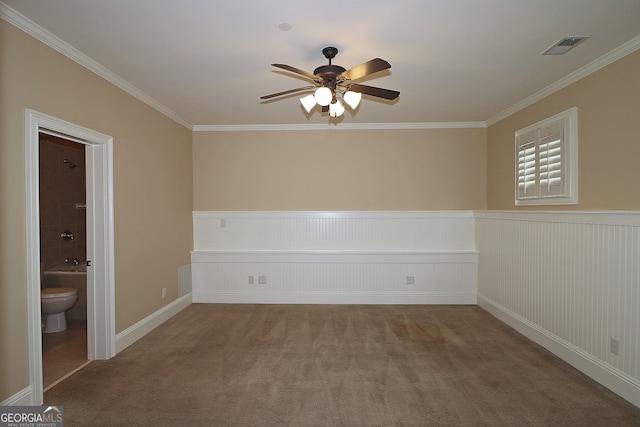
[367,68]
[374,91]
[300,89]
[297,71]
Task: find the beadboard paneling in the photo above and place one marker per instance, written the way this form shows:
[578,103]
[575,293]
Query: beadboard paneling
[334,257]
[385,231]
[570,281]
[335,278]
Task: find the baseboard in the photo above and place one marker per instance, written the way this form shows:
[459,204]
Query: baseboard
[22,398]
[333,298]
[615,380]
[138,330]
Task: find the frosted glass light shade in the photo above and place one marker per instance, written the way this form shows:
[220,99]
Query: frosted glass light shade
[308,102]
[336,109]
[352,98]
[323,96]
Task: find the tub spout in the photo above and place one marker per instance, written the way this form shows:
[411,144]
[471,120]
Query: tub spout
[71,261]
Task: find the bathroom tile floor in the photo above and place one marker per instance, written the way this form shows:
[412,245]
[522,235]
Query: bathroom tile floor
[63,352]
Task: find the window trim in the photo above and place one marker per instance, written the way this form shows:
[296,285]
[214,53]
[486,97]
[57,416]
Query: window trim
[569,143]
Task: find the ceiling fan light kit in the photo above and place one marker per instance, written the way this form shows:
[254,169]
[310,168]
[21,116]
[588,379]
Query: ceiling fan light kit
[352,98]
[336,109]
[323,96]
[333,79]
[308,102]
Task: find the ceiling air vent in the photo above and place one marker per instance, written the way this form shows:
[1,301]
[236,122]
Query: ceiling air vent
[564,45]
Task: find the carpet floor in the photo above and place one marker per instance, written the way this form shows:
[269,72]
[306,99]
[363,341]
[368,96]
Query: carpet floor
[336,365]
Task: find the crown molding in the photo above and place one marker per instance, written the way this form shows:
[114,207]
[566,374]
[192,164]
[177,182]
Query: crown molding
[341,126]
[606,59]
[21,22]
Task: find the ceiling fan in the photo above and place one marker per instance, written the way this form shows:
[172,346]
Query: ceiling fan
[333,79]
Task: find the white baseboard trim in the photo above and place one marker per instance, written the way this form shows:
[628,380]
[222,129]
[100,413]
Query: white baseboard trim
[123,340]
[138,330]
[227,297]
[22,398]
[615,380]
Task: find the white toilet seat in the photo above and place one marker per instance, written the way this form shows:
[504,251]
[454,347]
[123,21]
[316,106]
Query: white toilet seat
[57,292]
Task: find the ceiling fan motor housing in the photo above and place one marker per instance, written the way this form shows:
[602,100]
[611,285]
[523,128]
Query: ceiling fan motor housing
[329,74]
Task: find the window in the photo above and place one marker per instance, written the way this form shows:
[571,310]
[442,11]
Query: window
[547,161]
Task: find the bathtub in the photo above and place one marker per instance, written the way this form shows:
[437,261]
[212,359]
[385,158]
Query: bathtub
[69,276]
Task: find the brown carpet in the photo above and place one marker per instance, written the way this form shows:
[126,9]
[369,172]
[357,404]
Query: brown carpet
[328,365]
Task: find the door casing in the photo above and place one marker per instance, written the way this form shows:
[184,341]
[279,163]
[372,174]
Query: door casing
[100,240]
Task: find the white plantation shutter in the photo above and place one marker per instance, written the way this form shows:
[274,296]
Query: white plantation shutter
[550,161]
[546,162]
[527,186]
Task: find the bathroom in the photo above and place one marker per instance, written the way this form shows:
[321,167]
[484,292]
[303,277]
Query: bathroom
[63,251]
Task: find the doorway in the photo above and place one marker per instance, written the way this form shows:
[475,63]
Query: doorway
[63,252]
[100,322]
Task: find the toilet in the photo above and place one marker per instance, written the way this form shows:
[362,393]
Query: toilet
[54,302]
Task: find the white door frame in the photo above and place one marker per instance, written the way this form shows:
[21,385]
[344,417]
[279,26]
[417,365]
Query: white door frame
[100,240]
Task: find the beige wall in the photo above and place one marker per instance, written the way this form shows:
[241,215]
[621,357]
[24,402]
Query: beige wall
[432,169]
[162,171]
[608,104]
[152,188]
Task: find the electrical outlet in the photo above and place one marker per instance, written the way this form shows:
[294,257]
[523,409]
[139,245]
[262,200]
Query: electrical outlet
[410,280]
[614,346]
[262,280]
[223,223]
[251,280]
[164,293]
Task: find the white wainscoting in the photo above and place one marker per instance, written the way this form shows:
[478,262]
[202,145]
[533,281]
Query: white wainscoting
[334,257]
[571,282]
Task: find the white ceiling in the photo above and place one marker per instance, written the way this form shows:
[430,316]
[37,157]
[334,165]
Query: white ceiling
[207,62]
